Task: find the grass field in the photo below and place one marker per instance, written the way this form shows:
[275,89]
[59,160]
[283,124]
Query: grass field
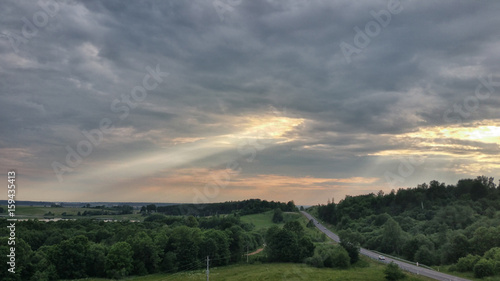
[264,220]
[71,213]
[467,275]
[275,271]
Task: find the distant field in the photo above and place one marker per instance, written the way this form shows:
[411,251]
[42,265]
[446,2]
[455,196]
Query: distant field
[275,271]
[71,213]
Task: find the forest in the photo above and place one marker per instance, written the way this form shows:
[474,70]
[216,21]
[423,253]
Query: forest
[433,224]
[72,249]
[245,207]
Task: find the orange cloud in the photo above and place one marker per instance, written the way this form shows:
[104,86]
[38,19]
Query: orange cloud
[204,185]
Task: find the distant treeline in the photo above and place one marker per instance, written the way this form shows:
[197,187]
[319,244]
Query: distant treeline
[246,207]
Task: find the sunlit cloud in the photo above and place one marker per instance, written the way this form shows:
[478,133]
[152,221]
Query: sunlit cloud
[267,130]
[479,139]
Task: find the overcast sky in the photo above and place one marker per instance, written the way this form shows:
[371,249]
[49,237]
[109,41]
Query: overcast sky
[208,101]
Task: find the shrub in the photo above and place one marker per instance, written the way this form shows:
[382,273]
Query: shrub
[393,272]
[329,256]
[340,258]
[316,261]
[493,254]
[467,263]
[484,268]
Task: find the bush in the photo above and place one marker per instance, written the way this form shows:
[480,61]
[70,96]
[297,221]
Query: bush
[334,257]
[393,272]
[493,254]
[329,256]
[467,263]
[310,224]
[340,258]
[484,268]
[316,261]
[425,256]
[352,249]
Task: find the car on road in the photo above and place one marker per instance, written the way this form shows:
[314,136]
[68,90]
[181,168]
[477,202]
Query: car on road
[382,258]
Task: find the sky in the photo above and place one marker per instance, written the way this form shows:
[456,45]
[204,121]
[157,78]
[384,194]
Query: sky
[210,101]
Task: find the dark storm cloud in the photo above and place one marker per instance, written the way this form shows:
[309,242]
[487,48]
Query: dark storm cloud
[284,54]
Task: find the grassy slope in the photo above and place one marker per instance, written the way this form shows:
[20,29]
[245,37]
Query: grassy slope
[467,275]
[264,220]
[275,271]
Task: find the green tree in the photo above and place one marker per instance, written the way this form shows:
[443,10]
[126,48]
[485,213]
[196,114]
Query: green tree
[483,268]
[412,245]
[350,236]
[184,242]
[146,254]
[119,260]
[392,236]
[493,254]
[191,221]
[97,260]
[425,256]
[278,215]
[478,190]
[70,257]
[23,256]
[484,239]
[282,246]
[236,245]
[352,249]
[215,244]
[294,226]
[393,272]
[459,247]
[150,208]
[467,263]
[43,269]
[306,248]
[310,224]
[333,256]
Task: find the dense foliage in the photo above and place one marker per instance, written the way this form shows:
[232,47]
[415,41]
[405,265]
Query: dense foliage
[246,207]
[288,244]
[87,248]
[431,224]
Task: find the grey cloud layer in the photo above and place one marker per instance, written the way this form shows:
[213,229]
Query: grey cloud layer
[280,53]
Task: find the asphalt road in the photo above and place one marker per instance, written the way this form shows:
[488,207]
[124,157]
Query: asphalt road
[405,266]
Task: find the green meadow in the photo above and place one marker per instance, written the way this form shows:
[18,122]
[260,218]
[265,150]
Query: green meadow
[275,271]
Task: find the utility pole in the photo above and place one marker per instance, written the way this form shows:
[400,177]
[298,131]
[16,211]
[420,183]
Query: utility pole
[208,270]
[247,253]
